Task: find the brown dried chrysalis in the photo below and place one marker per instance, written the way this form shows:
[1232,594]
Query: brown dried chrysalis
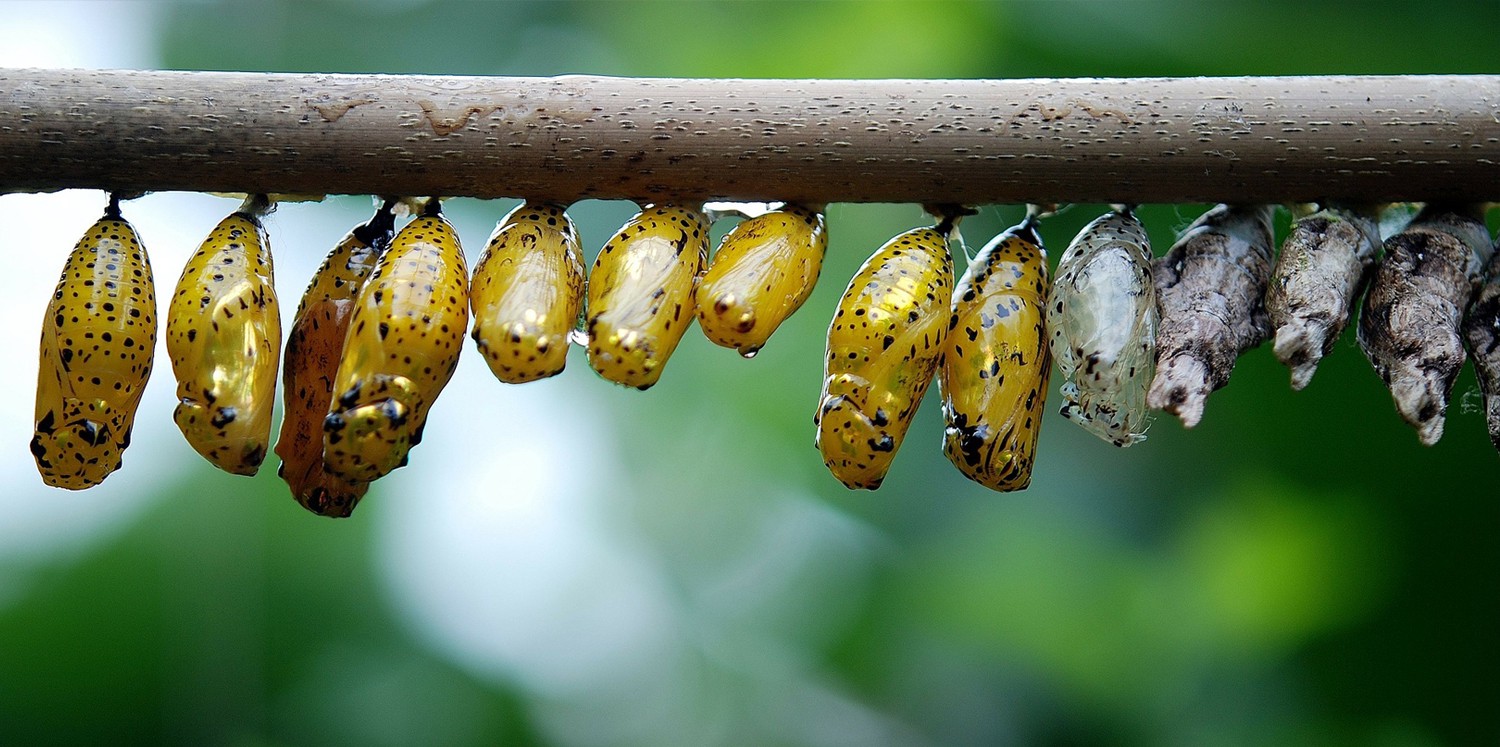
[1210,287]
[1409,325]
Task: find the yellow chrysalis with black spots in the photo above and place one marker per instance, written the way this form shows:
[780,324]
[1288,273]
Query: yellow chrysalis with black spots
[640,294]
[314,347]
[995,369]
[526,293]
[97,341]
[224,336]
[402,347]
[763,271]
[883,347]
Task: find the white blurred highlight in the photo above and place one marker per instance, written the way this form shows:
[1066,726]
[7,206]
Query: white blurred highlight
[499,549]
[60,33]
[527,568]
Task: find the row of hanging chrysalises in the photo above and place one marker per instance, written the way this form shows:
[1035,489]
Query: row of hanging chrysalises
[379,330]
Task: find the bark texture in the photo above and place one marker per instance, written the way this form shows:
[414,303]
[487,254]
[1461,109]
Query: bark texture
[1409,324]
[1235,140]
[1324,263]
[1210,287]
[1482,333]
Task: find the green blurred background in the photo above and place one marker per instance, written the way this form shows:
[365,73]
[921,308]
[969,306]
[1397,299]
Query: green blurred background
[615,567]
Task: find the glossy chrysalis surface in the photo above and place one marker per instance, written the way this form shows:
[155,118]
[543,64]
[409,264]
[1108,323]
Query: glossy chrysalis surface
[763,271]
[883,348]
[224,339]
[640,293]
[995,369]
[527,292]
[314,347]
[98,337]
[402,347]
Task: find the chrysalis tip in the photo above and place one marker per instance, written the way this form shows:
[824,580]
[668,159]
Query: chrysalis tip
[1181,387]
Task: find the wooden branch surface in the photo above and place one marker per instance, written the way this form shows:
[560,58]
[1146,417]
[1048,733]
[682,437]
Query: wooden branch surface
[1239,140]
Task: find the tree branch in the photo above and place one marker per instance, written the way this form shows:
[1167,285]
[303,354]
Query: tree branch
[966,141]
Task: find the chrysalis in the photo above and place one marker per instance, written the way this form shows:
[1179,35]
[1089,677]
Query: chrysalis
[1482,333]
[640,294]
[1210,289]
[883,348]
[995,369]
[97,341]
[526,293]
[1102,317]
[763,271]
[1409,324]
[1324,262]
[224,336]
[314,347]
[403,345]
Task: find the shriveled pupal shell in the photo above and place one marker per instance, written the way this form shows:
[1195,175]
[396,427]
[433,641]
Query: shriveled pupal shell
[1210,287]
[1324,264]
[1409,325]
[1482,334]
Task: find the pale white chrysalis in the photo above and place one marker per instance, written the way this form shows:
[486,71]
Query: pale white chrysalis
[1102,318]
